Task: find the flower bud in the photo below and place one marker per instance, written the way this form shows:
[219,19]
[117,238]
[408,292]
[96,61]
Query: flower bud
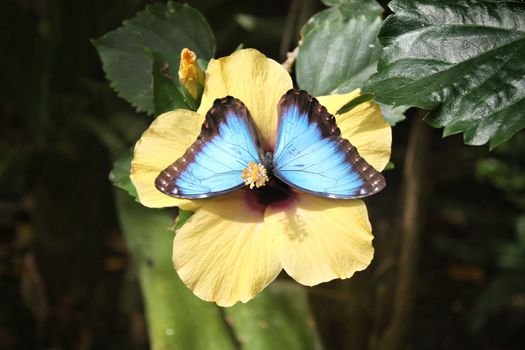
[191,76]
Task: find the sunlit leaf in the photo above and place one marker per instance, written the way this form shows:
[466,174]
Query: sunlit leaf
[164,30]
[463,60]
[339,47]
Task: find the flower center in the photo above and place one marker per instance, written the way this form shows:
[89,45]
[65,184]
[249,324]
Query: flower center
[276,193]
[255,175]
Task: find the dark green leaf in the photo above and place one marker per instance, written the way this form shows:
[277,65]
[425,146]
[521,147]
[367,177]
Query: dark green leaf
[203,64]
[119,175]
[263,29]
[520,230]
[339,49]
[183,216]
[512,256]
[166,96]
[278,318]
[176,318]
[347,107]
[163,29]
[497,296]
[393,115]
[389,166]
[463,60]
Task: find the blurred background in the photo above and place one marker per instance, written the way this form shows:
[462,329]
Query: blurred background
[449,271]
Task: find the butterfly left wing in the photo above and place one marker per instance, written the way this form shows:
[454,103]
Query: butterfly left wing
[311,155]
[214,162]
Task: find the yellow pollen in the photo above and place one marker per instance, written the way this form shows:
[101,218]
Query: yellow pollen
[255,175]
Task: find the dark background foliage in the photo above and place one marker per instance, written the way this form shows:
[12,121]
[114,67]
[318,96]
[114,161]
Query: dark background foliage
[65,277]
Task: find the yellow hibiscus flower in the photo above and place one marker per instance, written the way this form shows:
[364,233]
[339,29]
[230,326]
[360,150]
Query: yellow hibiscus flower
[236,244]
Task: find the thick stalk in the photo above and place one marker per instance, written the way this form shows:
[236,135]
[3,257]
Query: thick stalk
[409,225]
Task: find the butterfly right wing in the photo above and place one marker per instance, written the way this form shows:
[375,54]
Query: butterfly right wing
[311,155]
[215,161]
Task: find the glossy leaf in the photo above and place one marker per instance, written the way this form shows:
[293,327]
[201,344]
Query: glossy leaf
[164,30]
[462,60]
[176,318]
[278,318]
[339,47]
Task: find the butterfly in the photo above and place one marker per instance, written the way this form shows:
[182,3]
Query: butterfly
[310,155]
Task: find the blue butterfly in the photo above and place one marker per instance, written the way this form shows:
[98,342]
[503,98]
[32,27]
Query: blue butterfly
[310,154]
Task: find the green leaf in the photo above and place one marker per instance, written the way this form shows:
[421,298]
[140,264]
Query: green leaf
[512,256]
[463,60]
[520,229]
[203,64]
[389,166]
[176,318]
[497,295]
[261,28]
[119,175]
[166,95]
[164,30]
[278,318]
[183,216]
[339,48]
[393,115]
[347,107]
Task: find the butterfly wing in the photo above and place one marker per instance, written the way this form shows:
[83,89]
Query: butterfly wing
[214,162]
[311,155]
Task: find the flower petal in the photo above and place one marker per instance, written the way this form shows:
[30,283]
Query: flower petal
[162,143]
[259,82]
[320,239]
[364,126]
[223,252]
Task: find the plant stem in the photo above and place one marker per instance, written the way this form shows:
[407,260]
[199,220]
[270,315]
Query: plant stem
[410,230]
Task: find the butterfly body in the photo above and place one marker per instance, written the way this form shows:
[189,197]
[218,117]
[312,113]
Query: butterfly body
[310,154]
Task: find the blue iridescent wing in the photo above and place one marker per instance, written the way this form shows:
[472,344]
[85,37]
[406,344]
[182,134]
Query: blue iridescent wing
[214,162]
[311,155]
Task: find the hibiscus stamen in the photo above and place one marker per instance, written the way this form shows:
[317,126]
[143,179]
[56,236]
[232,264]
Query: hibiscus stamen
[255,175]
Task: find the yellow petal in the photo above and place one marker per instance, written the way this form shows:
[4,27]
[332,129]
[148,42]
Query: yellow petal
[259,82]
[162,143]
[364,126]
[223,252]
[319,239]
